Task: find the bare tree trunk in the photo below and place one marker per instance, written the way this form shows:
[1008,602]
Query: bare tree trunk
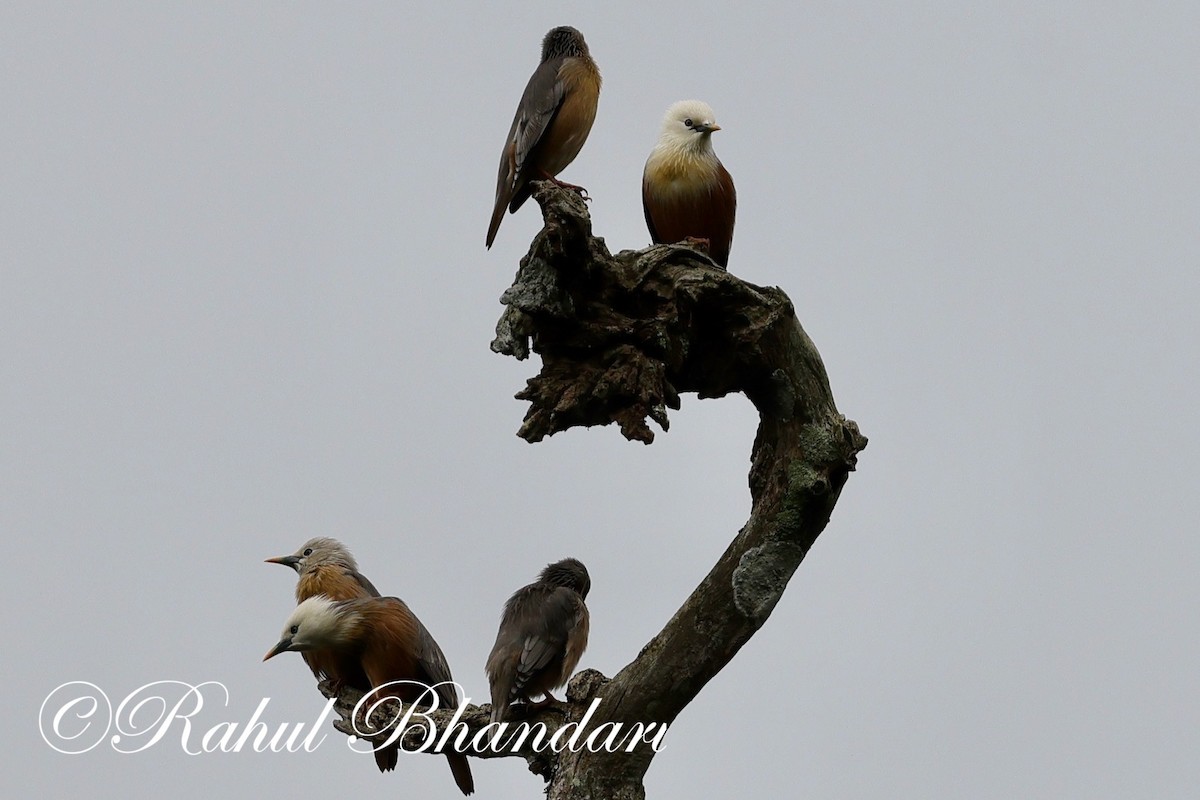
[620,338]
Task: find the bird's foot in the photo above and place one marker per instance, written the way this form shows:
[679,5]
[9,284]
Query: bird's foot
[532,706]
[528,708]
[582,192]
[547,699]
[700,244]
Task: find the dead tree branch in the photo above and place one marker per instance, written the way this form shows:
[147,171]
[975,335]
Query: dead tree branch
[621,338]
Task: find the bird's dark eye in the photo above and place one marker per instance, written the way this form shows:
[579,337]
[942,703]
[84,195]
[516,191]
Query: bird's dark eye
[688,122]
[308,551]
[294,628]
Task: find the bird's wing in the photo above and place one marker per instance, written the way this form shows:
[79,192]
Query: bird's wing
[724,215]
[362,581]
[409,652]
[647,203]
[540,102]
[542,98]
[546,637]
[432,661]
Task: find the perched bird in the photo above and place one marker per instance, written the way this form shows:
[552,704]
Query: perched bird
[543,632]
[686,192]
[552,122]
[326,568]
[380,640]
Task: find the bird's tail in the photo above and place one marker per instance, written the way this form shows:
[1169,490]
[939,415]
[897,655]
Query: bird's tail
[499,709]
[461,769]
[386,757]
[504,193]
[497,216]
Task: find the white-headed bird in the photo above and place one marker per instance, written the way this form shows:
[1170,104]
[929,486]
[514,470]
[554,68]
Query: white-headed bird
[326,567]
[686,192]
[375,641]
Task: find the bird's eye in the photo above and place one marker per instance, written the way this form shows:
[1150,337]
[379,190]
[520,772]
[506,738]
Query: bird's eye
[294,628]
[688,122]
[308,551]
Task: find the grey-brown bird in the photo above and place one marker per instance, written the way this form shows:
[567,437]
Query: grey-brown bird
[543,632]
[686,192]
[552,122]
[326,567]
[380,639]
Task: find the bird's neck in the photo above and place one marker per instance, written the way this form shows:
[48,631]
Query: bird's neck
[671,161]
[581,72]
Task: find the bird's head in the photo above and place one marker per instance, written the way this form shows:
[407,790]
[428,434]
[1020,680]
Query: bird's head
[317,552]
[314,624]
[563,42]
[569,572]
[689,124]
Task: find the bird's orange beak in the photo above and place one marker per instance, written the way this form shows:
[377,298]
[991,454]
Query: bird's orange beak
[282,647]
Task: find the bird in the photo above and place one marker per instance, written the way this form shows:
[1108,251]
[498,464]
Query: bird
[686,191]
[380,640]
[553,120]
[326,567]
[543,632]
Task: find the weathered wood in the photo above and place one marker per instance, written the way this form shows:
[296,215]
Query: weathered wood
[621,338]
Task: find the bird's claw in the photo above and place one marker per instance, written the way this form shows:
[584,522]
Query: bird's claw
[582,192]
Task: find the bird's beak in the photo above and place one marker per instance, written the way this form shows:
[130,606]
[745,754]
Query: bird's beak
[287,561]
[713,127]
[282,647]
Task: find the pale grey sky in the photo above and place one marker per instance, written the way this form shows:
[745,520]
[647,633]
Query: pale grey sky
[244,301]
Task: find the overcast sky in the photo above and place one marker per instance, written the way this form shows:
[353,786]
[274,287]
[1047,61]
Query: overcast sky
[245,301]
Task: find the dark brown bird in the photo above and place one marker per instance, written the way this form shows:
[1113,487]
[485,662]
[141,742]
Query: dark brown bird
[381,640]
[326,567]
[543,632]
[686,192]
[552,122]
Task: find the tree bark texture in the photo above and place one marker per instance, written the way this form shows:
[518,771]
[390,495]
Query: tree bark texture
[621,337]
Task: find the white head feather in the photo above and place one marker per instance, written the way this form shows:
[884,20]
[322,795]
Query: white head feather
[687,129]
[315,623]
